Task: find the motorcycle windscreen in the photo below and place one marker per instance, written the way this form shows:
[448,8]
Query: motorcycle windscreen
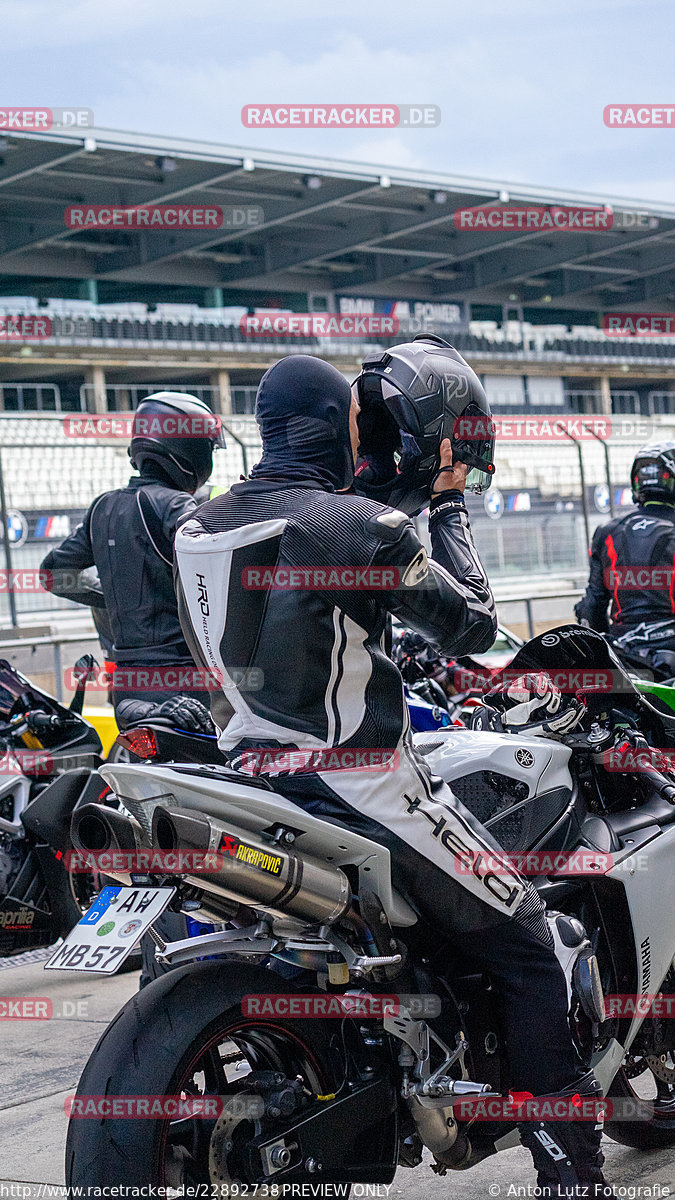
[12,687]
[572,649]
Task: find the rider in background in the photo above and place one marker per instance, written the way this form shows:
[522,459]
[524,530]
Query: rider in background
[631,590]
[127,534]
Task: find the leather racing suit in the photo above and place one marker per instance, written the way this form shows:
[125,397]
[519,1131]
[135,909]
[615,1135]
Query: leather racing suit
[127,535]
[631,589]
[286,585]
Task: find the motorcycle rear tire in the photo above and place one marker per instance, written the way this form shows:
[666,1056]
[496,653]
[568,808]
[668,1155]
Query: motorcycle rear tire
[149,1047]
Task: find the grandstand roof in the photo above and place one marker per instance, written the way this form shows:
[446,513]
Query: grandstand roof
[330,227]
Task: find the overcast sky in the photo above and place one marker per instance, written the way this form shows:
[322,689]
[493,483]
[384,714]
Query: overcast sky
[521,84]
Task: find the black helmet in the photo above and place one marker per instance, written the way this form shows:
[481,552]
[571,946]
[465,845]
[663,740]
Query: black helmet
[652,474]
[412,397]
[179,432]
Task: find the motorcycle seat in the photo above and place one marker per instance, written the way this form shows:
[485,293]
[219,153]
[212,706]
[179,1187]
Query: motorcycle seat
[226,773]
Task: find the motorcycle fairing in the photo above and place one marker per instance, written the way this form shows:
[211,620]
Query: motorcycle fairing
[648,877]
[14,798]
[251,808]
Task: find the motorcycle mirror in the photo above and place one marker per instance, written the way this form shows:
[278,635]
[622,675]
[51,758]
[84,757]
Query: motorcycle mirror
[84,669]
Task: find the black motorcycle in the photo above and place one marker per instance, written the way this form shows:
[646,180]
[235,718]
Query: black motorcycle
[48,760]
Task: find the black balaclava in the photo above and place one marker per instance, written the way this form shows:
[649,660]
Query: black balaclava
[151,470]
[302,409]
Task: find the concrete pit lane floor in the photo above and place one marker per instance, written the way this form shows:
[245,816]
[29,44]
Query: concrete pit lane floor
[41,1061]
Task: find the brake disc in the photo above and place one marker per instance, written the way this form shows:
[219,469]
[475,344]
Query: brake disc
[634,1065]
[231,1133]
[661,1068]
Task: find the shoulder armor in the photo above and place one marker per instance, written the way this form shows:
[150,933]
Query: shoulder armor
[387,525]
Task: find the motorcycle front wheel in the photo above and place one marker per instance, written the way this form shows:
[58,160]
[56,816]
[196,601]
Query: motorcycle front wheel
[648,1081]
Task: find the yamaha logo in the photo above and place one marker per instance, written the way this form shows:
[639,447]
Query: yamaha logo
[525,758]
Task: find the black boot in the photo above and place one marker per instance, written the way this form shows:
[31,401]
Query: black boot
[567,1154]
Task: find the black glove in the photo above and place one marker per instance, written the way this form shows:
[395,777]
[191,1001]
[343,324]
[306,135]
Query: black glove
[183,712]
[186,714]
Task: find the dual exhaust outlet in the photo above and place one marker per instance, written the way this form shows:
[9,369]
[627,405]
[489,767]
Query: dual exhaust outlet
[238,866]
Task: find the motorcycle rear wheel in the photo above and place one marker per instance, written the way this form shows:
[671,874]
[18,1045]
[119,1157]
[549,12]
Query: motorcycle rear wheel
[185,1034]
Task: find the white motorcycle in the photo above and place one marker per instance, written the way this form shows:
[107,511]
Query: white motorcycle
[309,910]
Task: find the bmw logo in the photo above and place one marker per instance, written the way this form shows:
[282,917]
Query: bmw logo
[493,503]
[601,498]
[17,527]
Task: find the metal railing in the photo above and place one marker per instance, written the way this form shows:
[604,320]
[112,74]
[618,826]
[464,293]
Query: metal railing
[528,601]
[30,397]
[217,333]
[57,641]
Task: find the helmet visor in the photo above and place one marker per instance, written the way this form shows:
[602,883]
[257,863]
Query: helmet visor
[473,443]
[218,436]
[478,481]
[379,397]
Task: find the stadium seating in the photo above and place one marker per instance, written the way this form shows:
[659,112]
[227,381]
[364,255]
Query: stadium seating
[44,469]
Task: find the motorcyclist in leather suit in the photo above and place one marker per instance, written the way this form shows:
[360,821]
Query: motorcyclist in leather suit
[329,685]
[631,589]
[127,535]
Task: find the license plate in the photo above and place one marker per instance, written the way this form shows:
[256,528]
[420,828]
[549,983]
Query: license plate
[106,935]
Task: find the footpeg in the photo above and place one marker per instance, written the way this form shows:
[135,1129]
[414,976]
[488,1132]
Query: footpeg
[447,1086]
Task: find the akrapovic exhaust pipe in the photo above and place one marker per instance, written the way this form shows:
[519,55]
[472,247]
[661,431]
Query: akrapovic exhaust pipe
[96,829]
[254,872]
